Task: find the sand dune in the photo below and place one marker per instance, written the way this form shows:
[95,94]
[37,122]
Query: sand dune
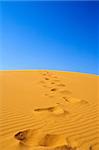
[48,110]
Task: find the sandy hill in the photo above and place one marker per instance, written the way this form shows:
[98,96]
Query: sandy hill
[48,110]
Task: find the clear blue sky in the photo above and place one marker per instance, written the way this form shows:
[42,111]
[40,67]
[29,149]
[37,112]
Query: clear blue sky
[49,35]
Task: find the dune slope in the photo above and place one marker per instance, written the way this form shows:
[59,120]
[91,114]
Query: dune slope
[48,110]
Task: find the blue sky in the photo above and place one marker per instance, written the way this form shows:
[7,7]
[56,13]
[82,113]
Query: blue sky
[49,35]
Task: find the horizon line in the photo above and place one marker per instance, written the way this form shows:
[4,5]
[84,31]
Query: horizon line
[51,70]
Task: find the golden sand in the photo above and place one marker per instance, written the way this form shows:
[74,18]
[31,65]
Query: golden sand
[48,110]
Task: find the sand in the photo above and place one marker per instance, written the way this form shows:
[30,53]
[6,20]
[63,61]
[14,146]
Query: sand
[48,110]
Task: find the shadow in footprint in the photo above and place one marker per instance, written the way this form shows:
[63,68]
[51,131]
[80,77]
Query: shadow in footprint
[52,82]
[54,89]
[21,135]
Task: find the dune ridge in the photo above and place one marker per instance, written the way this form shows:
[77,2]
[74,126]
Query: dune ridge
[48,110]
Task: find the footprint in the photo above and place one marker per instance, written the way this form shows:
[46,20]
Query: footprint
[75,100]
[48,95]
[90,147]
[39,139]
[46,78]
[44,74]
[45,86]
[56,80]
[84,101]
[43,82]
[65,92]
[66,99]
[65,147]
[61,85]
[52,140]
[21,135]
[29,137]
[51,96]
[52,82]
[24,136]
[56,110]
[55,77]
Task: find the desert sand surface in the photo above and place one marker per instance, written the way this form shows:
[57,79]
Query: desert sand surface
[48,110]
